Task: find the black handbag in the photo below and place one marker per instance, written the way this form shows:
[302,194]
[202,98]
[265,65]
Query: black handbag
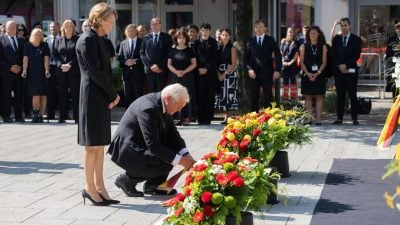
[364,105]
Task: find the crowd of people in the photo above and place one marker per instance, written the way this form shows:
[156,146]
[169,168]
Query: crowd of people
[40,75]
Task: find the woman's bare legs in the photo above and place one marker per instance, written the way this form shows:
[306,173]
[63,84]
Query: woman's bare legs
[90,162]
[318,99]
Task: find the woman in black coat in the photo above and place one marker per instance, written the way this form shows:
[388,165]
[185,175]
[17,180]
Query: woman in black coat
[97,97]
[68,75]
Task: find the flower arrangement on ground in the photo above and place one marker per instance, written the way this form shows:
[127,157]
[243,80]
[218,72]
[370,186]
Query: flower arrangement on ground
[218,185]
[261,135]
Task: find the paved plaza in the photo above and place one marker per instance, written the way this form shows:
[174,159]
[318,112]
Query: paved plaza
[41,175]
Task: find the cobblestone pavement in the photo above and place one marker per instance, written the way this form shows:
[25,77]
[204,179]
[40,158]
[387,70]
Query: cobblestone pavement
[41,173]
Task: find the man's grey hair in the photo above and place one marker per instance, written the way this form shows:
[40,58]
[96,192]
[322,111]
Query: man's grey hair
[176,92]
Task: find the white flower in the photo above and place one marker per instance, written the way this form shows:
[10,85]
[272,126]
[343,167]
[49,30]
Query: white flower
[217,169]
[190,204]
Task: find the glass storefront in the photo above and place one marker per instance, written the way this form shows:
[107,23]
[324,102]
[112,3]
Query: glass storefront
[296,13]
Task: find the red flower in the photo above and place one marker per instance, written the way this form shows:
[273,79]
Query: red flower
[234,143]
[180,197]
[178,211]
[199,177]
[166,219]
[206,197]
[264,118]
[200,167]
[224,181]
[198,217]
[208,211]
[223,142]
[219,176]
[238,182]
[208,155]
[188,191]
[249,159]
[243,144]
[232,175]
[188,180]
[256,132]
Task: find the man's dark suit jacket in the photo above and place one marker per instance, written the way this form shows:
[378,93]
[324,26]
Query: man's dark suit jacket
[124,54]
[48,40]
[8,57]
[144,136]
[207,53]
[349,55]
[155,53]
[260,59]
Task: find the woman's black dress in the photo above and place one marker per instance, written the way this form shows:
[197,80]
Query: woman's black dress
[36,80]
[313,57]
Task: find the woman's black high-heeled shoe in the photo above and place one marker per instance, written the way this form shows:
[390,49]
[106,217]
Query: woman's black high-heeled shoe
[86,195]
[111,201]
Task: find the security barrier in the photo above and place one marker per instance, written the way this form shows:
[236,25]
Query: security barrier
[370,72]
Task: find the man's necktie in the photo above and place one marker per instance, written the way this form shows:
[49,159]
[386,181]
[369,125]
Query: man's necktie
[344,41]
[259,41]
[132,48]
[155,39]
[14,43]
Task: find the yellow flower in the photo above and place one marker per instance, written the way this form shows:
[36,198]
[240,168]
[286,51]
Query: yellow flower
[231,120]
[398,190]
[282,123]
[389,200]
[230,136]
[278,116]
[238,125]
[247,137]
[271,122]
[397,155]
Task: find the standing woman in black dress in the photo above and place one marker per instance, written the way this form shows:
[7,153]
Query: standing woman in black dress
[97,97]
[227,74]
[181,63]
[35,68]
[313,58]
[68,76]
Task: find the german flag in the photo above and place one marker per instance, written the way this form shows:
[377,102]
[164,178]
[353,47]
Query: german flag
[390,127]
[169,184]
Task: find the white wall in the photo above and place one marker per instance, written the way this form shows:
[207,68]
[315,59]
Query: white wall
[327,11]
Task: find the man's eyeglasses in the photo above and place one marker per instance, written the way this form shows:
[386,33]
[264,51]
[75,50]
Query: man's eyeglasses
[20,29]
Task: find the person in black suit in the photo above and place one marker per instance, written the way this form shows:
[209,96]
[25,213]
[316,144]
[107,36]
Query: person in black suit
[97,97]
[147,144]
[259,54]
[11,54]
[207,76]
[53,41]
[68,75]
[132,66]
[346,49]
[154,54]
[392,51]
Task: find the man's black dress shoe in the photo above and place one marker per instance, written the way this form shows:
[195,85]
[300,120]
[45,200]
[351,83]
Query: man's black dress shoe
[355,122]
[20,120]
[8,120]
[160,192]
[337,122]
[127,186]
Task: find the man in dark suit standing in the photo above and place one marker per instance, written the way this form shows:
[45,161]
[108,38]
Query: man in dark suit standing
[206,76]
[259,54]
[132,66]
[53,41]
[346,49]
[154,54]
[147,144]
[392,52]
[11,54]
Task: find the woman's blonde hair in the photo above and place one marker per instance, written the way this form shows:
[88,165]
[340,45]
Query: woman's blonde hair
[33,33]
[100,11]
[65,23]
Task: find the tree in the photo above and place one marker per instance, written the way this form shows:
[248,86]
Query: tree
[244,17]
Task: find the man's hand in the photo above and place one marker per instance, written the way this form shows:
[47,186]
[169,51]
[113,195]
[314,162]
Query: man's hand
[155,69]
[276,76]
[15,69]
[252,74]
[187,161]
[343,68]
[23,74]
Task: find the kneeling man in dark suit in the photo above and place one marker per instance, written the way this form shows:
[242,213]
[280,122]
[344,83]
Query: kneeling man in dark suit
[147,144]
